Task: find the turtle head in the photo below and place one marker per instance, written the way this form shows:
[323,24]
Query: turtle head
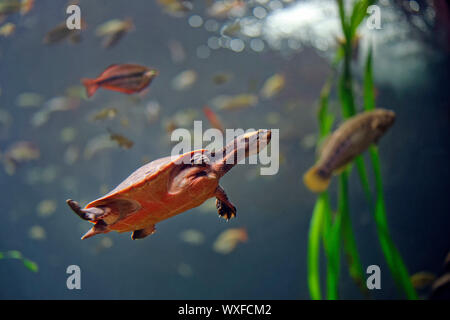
[382,120]
[253,142]
[241,147]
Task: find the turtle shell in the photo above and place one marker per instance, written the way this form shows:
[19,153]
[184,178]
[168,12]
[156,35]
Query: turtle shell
[142,199]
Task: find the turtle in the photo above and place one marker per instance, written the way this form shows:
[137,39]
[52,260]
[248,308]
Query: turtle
[169,186]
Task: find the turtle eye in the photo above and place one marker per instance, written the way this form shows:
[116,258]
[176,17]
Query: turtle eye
[201,174]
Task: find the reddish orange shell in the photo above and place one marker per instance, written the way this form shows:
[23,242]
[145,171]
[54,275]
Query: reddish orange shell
[148,186]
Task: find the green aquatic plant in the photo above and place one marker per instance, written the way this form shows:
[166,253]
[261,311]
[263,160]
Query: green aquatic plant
[334,229]
[14,254]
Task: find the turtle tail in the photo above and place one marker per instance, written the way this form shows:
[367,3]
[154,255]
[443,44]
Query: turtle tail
[315,181]
[99,227]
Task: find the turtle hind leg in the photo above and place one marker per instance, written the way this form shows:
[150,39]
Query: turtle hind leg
[142,233]
[224,207]
[90,214]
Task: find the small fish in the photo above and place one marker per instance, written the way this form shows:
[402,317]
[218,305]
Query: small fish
[184,80]
[7,29]
[37,233]
[61,32]
[9,7]
[71,155]
[221,78]
[13,6]
[152,111]
[46,208]
[171,125]
[26,6]
[192,236]
[114,30]
[352,138]
[177,52]
[121,140]
[231,29]
[176,8]
[125,78]
[440,290]
[97,144]
[422,279]
[185,270]
[53,105]
[240,101]
[273,86]
[20,152]
[213,118]
[227,241]
[29,99]
[185,117]
[106,113]
[223,9]
[68,134]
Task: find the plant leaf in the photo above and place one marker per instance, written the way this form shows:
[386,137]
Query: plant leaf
[393,258]
[14,254]
[315,233]
[359,12]
[351,251]
[391,253]
[369,95]
[362,173]
[326,118]
[30,265]
[17,255]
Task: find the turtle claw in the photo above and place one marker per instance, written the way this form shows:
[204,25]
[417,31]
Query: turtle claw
[225,211]
[90,214]
[142,233]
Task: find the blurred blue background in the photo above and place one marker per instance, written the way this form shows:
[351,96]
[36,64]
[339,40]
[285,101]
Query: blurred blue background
[411,75]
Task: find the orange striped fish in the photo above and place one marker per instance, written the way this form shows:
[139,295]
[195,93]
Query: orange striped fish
[125,78]
[213,118]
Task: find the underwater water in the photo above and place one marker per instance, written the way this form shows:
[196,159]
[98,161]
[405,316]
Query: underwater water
[411,78]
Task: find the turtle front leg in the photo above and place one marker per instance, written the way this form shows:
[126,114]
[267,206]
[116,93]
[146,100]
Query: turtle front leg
[224,207]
